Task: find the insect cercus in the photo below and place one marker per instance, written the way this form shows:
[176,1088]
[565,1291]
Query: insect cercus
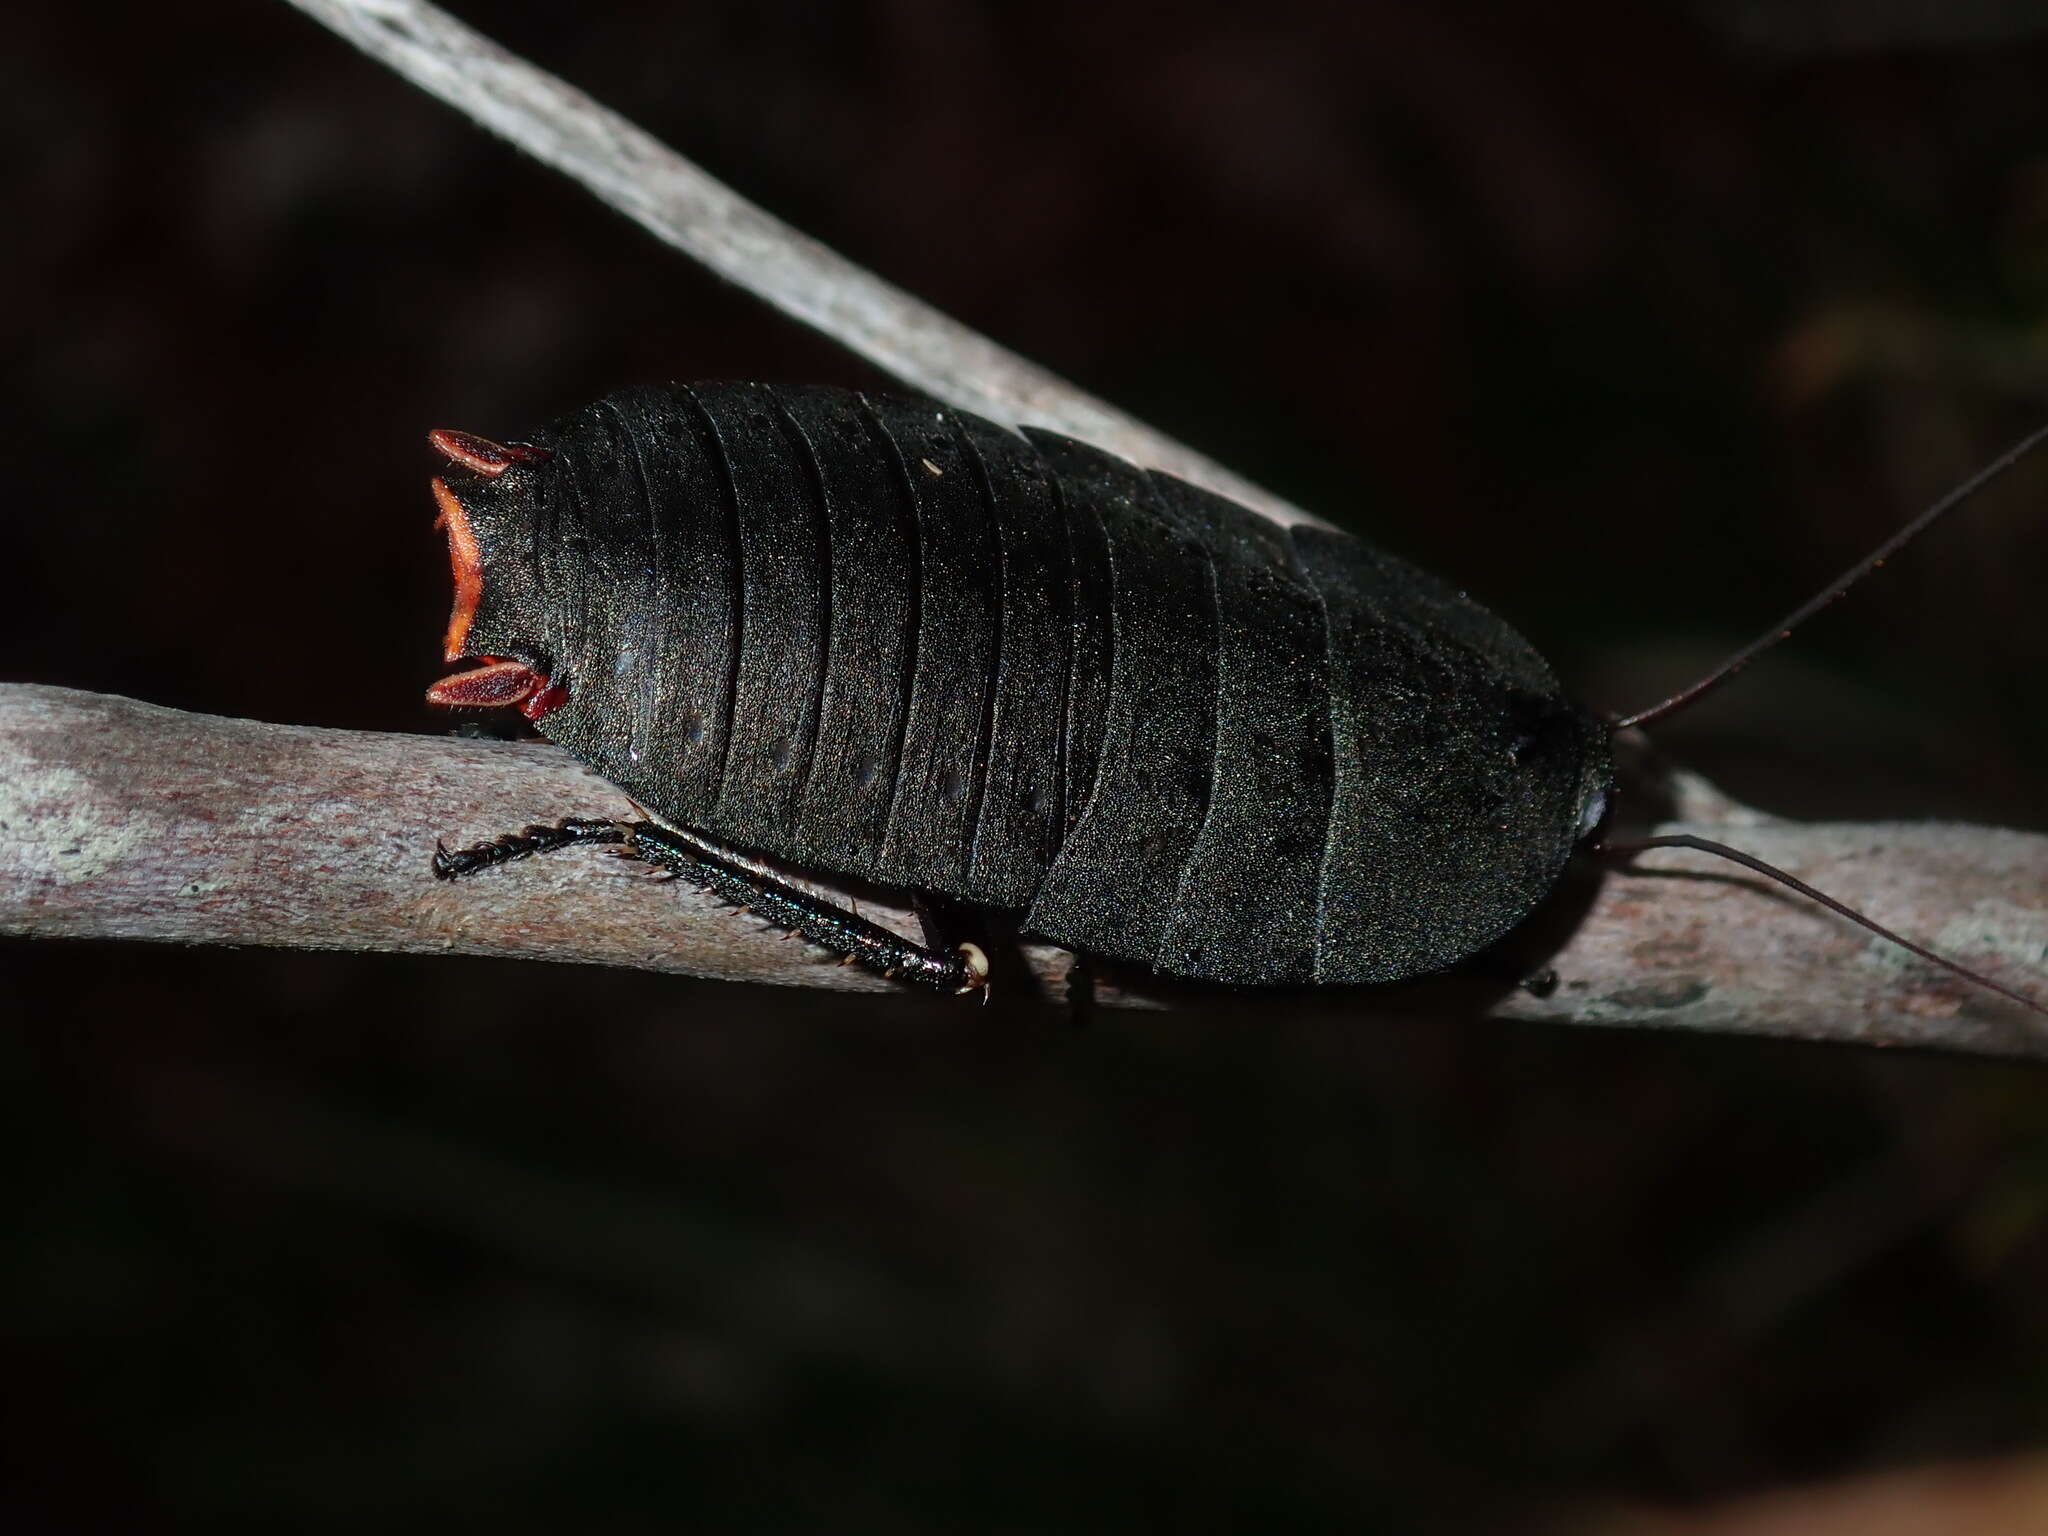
[880,638]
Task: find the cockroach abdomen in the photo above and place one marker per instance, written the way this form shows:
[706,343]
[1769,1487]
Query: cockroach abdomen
[883,639]
[1113,887]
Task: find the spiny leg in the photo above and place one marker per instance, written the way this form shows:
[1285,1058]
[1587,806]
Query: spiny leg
[523,845]
[686,856]
[964,968]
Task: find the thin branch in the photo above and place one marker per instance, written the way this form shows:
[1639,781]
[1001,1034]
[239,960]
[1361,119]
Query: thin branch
[128,821]
[122,820]
[679,203]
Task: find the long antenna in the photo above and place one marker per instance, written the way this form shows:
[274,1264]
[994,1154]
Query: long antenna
[1751,861]
[1854,574]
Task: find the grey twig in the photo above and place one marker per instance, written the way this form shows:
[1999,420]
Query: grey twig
[709,222]
[122,820]
[125,820]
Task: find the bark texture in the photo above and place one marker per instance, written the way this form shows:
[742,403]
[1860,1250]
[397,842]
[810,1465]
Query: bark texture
[122,820]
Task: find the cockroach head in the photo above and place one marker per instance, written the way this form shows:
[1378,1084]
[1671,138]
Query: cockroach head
[492,504]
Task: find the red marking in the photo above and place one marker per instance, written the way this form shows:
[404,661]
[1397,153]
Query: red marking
[481,454]
[467,561]
[550,697]
[498,684]
[494,684]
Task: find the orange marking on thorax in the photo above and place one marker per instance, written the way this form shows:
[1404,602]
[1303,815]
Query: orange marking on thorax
[467,561]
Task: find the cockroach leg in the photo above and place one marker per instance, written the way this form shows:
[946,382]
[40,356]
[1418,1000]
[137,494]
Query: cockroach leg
[521,845]
[686,856]
[928,920]
[962,968]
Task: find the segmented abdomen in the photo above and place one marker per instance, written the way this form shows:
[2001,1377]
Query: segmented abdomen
[863,633]
[878,637]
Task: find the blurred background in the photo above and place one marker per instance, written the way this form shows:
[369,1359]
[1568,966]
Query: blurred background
[1639,320]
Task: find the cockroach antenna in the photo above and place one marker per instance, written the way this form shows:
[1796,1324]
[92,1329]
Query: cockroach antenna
[1686,697]
[1693,693]
[1750,861]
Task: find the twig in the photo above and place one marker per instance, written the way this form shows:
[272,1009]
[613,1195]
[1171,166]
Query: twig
[125,820]
[709,222]
[121,820]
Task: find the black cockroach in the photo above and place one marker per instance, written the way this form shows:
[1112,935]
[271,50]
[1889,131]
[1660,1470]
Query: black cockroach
[880,638]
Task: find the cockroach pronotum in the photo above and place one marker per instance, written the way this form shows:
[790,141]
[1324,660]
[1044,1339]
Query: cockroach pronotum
[879,638]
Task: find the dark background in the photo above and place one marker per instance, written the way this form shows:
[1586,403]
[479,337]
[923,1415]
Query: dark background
[1641,321]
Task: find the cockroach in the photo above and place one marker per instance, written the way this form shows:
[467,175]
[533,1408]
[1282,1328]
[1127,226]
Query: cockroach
[879,638]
